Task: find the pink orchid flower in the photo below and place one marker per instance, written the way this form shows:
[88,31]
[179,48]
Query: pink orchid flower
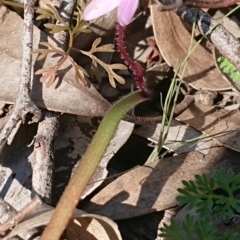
[97,8]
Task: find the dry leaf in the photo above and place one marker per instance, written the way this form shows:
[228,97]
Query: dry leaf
[175,141]
[73,139]
[153,187]
[62,97]
[90,224]
[222,125]
[66,95]
[93,227]
[77,136]
[173,41]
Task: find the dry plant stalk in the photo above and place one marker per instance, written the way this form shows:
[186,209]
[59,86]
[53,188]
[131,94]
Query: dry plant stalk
[18,217]
[43,163]
[24,104]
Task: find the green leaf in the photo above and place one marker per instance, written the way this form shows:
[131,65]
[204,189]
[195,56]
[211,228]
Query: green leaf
[201,195]
[55,28]
[44,14]
[95,71]
[56,15]
[188,226]
[228,68]
[229,235]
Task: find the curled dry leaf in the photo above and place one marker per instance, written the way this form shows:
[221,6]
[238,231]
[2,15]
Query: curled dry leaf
[92,227]
[86,225]
[173,41]
[153,187]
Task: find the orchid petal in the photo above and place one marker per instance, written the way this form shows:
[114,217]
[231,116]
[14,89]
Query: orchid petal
[97,8]
[126,10]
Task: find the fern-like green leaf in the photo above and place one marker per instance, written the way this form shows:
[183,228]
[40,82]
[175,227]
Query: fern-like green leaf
[228,68]
[218,195]
[189,229]
[201,194]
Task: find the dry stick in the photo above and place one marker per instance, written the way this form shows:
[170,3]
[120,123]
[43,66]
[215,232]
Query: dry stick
[224,41]
[23,104]
[6,212]
[19,216]
[43,164]
[11,217]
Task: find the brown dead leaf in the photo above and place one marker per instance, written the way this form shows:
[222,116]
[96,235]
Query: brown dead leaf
[77,136]
[177,135]
[71,143]
[93,227]
[65,95]
[173,41]
[153,187]
[222,125]
[87,226]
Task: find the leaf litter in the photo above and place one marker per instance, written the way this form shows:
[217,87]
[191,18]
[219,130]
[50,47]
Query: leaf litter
[145,190]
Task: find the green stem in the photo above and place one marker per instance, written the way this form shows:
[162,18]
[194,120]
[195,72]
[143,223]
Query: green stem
[89,163]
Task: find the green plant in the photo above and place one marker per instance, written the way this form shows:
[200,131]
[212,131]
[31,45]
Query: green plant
[191,229]
[49,74]
[228,68]
[208,195]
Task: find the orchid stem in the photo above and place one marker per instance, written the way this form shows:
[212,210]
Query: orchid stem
[89,163]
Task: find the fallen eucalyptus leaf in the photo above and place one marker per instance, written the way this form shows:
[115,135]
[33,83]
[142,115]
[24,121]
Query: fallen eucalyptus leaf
[65,95]
[178,139]
[83,223]
[173,41]
[153,187]
[222,125]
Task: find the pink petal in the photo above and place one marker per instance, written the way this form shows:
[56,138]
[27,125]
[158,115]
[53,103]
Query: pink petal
[97,8]
[126,10]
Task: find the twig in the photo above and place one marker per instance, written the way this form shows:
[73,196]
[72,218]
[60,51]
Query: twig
[43,163]
[6,212]
[18,216]
[224,41]
[9,217]
[43,148]
[23,104]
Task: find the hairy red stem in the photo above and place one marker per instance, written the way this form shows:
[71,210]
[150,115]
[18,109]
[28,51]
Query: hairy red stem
[136,68]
